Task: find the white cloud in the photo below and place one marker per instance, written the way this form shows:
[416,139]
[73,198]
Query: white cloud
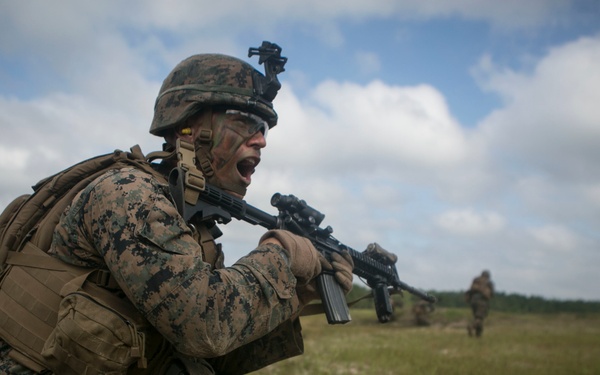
[75,23]
[368,62]
[18,159]
[406,136]
[468,222]
[551,121]
[546,139]
[385,124]
[380,160]
[556,237]
[591,193]
[44,136]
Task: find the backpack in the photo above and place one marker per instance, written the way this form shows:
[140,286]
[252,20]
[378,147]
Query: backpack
[31,280]
[482,286]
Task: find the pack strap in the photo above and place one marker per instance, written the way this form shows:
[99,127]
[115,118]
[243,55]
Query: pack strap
[318,308]
[36,261]
[99,277]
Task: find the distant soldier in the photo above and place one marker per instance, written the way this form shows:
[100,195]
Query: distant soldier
[478,296]
[422,310]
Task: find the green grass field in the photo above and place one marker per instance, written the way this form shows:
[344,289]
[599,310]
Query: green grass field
[511,344]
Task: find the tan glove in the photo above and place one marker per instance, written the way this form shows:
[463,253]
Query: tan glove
[341,265]
[307,293]
[304,258]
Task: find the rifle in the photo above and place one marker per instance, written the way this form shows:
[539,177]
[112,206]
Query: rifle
[375,266]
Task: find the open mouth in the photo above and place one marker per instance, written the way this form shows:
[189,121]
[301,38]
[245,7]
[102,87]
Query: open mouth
[247,167]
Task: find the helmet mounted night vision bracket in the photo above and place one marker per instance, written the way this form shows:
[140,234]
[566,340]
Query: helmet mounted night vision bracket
[269,54]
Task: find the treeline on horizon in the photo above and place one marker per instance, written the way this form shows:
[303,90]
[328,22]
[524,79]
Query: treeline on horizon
[517,303]
[505,302]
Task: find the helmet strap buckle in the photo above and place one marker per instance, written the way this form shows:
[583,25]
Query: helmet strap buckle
[203,143]
[194,181]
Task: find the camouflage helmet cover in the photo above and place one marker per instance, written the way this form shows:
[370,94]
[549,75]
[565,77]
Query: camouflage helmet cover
[209,80]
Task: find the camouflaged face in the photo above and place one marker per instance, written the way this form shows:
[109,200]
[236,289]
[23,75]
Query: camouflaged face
[208,80]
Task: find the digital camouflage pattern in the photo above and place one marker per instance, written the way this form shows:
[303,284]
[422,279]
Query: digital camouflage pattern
[422,311]
[478,296]
[208,80]
[8,366]
[124,221]
[480,308]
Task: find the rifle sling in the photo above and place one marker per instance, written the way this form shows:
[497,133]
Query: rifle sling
[317,308]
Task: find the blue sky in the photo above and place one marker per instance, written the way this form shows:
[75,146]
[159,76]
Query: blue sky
[461,135]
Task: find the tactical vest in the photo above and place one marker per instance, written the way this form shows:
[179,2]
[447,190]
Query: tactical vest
[33,285]
[481,285]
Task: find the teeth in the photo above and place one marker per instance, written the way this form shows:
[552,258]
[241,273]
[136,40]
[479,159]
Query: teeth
[246,167]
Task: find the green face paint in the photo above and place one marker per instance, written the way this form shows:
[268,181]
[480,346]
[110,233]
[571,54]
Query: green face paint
[237,140]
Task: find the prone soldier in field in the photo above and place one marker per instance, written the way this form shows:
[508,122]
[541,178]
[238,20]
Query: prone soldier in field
[422,311]
[478,297]
[174,307]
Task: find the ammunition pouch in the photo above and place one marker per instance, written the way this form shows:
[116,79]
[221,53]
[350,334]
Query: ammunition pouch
[54,317]
[91,338]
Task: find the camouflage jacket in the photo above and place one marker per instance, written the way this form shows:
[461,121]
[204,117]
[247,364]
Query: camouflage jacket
[481,285]
[237,318]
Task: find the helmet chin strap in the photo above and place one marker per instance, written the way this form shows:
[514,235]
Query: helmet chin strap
[203,144]
[193,160]
[193,179]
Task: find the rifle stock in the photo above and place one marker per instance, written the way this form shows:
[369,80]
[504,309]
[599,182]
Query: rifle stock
[299,218]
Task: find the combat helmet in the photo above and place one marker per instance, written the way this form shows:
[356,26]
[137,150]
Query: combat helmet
[219,80]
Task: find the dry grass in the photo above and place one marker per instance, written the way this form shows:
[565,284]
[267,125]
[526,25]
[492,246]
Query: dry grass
[511,344]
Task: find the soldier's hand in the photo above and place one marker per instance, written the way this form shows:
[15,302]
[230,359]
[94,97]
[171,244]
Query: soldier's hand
[341,265]
[304,259]
[307,293]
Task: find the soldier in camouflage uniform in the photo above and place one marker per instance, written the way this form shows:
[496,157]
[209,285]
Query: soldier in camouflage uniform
[478,296]
[211,318]
[422,310]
